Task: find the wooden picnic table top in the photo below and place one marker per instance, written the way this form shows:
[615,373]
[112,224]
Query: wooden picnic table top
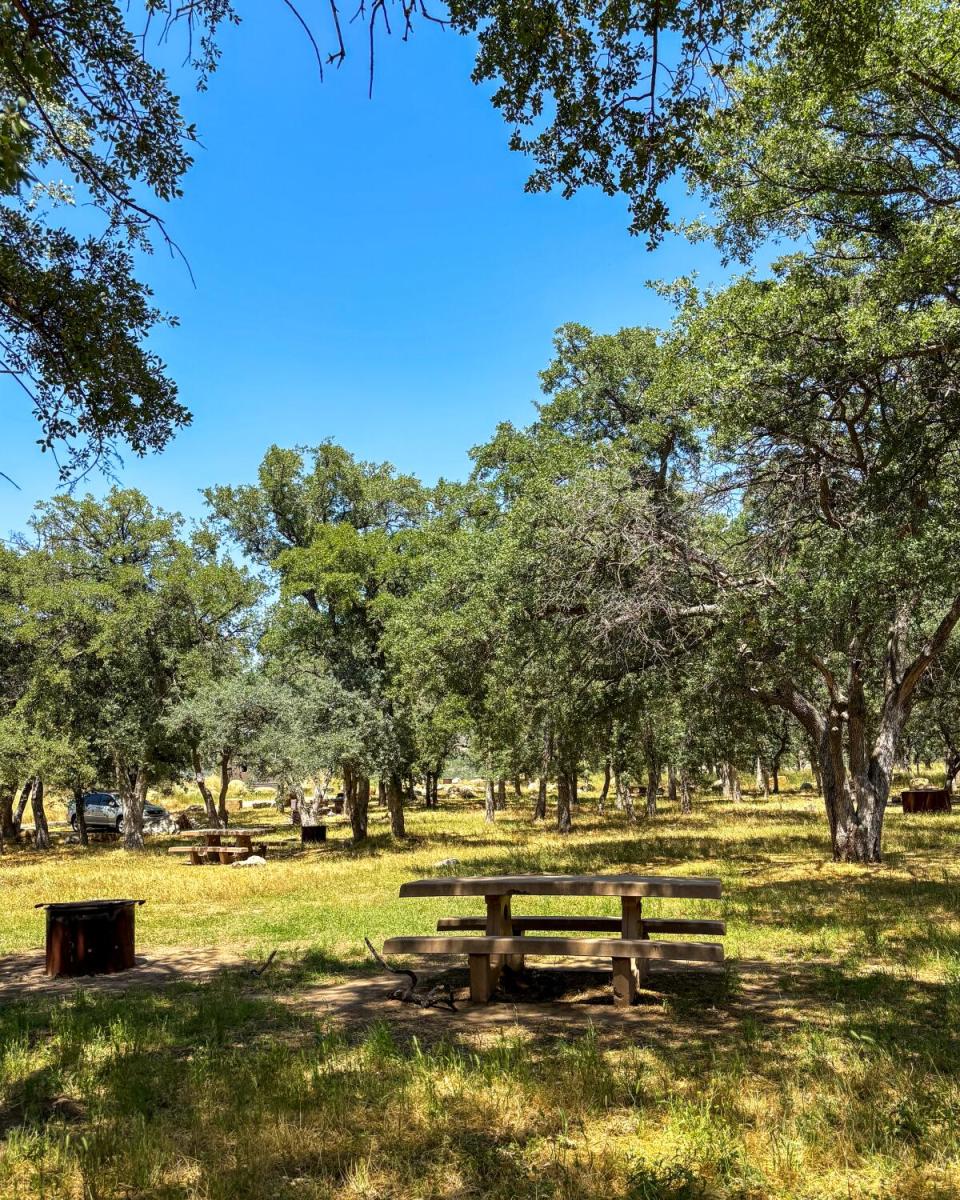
[567,885]
[232,831]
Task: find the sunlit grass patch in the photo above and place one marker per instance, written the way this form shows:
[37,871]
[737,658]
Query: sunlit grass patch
[819,1065]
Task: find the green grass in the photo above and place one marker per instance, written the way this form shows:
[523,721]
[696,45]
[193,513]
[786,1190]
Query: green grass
[822,1064]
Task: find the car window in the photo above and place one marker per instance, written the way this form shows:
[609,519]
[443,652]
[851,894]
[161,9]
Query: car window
[98,800]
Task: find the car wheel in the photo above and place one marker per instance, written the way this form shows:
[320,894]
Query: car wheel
[119,824]
[75,823]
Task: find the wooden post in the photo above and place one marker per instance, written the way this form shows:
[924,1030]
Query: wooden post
[244,840]
[624,982]
[481,981]
[515,962]
[498,925]
[628,973]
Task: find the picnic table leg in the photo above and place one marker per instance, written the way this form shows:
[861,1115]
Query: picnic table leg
[212,839]
[481,981]
[628,972]
[245,840]
[514,961]
[498,925]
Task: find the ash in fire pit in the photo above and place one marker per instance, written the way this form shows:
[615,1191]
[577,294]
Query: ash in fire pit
[90,937]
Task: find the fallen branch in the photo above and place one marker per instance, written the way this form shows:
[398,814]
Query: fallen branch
[439,996]
[256,972]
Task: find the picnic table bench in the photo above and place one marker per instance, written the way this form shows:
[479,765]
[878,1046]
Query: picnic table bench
[215,850]
[504,941]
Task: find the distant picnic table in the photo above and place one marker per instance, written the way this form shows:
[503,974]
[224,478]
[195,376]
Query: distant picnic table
[239,844]
[503,941]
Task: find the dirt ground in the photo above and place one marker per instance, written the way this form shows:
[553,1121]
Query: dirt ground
[544,1002]
[23,974]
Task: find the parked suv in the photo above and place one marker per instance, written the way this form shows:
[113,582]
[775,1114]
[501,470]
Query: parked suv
[103,811]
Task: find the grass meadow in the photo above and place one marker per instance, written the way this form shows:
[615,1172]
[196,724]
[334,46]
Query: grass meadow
[822,1062]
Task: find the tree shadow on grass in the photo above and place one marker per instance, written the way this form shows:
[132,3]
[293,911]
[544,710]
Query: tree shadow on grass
[254,1090]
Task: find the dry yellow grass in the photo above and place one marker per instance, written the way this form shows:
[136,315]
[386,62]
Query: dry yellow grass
[841,1081]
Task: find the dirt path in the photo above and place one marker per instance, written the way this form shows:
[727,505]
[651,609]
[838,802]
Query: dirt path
[23,974]
[678,1003]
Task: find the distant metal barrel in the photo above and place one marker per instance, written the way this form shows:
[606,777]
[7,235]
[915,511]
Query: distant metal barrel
[91,937]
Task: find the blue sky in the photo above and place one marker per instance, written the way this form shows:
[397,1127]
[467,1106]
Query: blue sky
[366,270]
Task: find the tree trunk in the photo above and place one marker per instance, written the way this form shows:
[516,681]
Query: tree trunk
[78,808]
[952,763]
[653,786]
[731,782]
[358,807]
[225,755]
[650,753]
[624,799]
[855,790]
[605,789]
[671,783]
[41,831]
[348,778]
[133,794]
[517,789]
[7,828]
[501,795]
[685,800]
[311,811]
[382,792]
[208,801]
[299,806]
[436,783]
[775,774]
[490,805]
[546,757]
[564,800]
[815,767]
[395,804]
[21,807]
[763,782]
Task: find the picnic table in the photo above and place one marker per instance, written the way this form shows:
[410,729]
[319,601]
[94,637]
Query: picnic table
[503,941]
[216,850]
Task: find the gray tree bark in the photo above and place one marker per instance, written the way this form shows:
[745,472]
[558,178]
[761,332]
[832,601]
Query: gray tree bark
[358,806]
[80,810]
[41,831]
[21,807]
[133,794]
[395,804]
[208,801]
[605,788]
[564,803]
[540,808]
[686,805]
[7,828]
[490,804]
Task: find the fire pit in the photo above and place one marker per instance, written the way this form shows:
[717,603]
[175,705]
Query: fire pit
[90,937]
[926,800]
